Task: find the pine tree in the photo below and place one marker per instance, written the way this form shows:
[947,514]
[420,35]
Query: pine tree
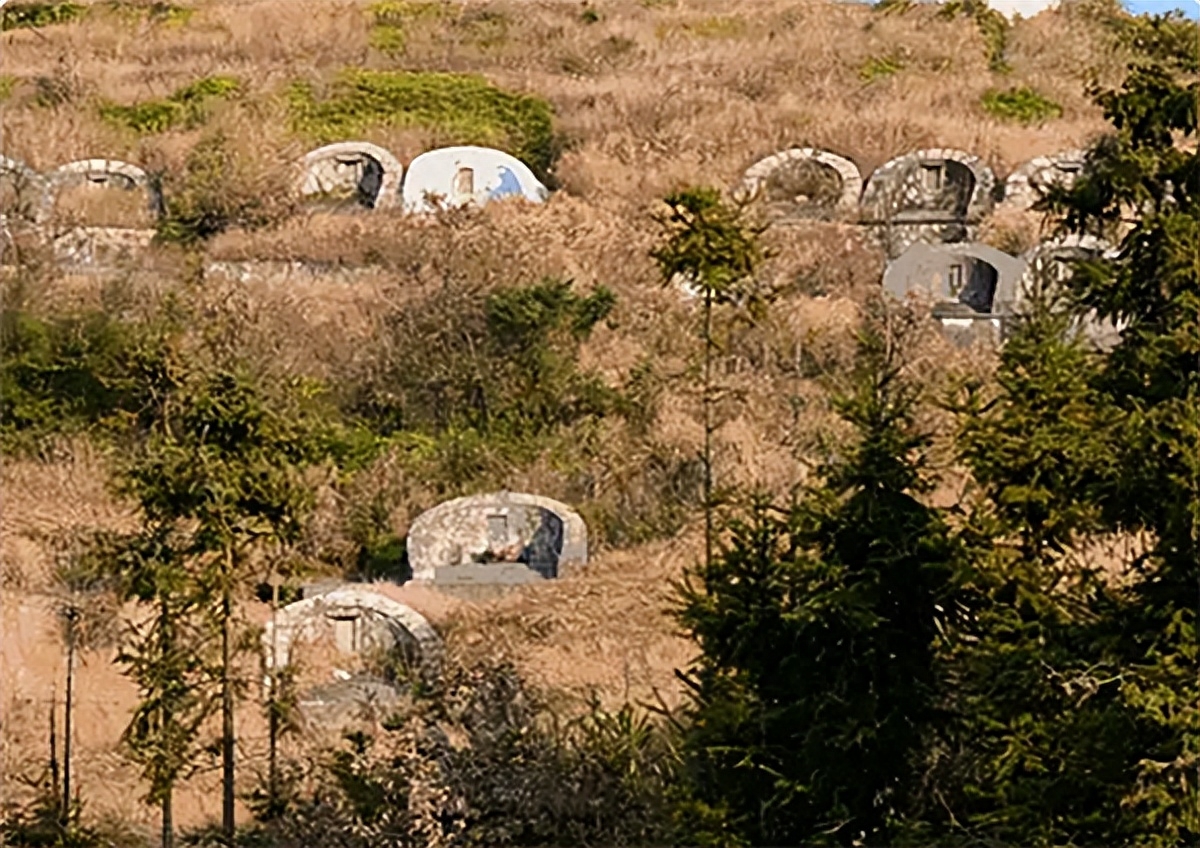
[1078,696]
[711,247]
[816,691]
[218,484]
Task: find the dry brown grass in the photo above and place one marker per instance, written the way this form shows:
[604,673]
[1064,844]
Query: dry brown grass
[651,97]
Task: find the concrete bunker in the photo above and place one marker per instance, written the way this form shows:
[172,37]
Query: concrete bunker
[353,621]
[804,183]
[461,176]
[1031,180]
[936,186]
[502,538]
[972,287]
[24,193]
[352,174]
[105,193]
[1050,266]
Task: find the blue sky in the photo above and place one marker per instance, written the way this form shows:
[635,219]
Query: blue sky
[1191,8]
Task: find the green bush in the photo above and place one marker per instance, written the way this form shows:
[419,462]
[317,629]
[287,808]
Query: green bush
[460,108]
[33,15]
[391,18]
[1020,104]
[73,373]
[7,83]
[186,106]
[992,26]
[215,192]
[878,67]
[1169,39]
[156,12]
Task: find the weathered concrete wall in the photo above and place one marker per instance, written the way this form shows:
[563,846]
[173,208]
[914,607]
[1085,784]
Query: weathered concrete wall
[357,621]
[24,193]
[280,272]
[1026,184]
[935,186]
[358,171]
[895,238]
[458,176]
[805,183]
[503,537]
[1050,265]
[985,282]
[100,249]
[108,174]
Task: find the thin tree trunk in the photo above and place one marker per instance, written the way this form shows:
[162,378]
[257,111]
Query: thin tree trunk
[166,646]
[66,799]
[272,707]
[54,773]
[168,821]
[227,737]
[708,475]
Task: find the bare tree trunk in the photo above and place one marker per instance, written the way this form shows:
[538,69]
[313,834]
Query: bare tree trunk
[66,799]
[272,707]
[168,821]
[708,429]
[227,734]
[54,773]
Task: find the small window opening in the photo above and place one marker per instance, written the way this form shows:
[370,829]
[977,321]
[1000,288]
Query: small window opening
[497,529]
[464,181]
[931,177]
[955,280]
[346,634]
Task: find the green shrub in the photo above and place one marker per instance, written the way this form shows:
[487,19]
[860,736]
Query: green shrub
[73,373]
[992,25]
[186,107]
[34,15]
[1169,39]
[390,19]
[459,108]
[878,67]
[8,82]
[1020,104]
[156,12]
[213,193]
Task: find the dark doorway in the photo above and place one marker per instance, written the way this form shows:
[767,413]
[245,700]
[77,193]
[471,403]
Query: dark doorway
[979,291]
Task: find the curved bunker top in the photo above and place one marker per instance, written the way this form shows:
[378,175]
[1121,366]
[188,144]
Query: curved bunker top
[964,280]
[460,176]
[356,620]
[934,186]
[105,192]
[805,183]
[359,172]
[505,538]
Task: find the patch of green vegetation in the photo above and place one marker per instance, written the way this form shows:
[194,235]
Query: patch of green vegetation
[459,108]
[157,12]
[992,26]
[71,373]
[893,7]
[486,28]
[878,67]
[8,82]
[390,20]
[34,15]
[187,106]
[589,15]
[1020,104]
[1169,39]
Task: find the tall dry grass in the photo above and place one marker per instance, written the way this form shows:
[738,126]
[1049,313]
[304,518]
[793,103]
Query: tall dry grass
[650,97]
